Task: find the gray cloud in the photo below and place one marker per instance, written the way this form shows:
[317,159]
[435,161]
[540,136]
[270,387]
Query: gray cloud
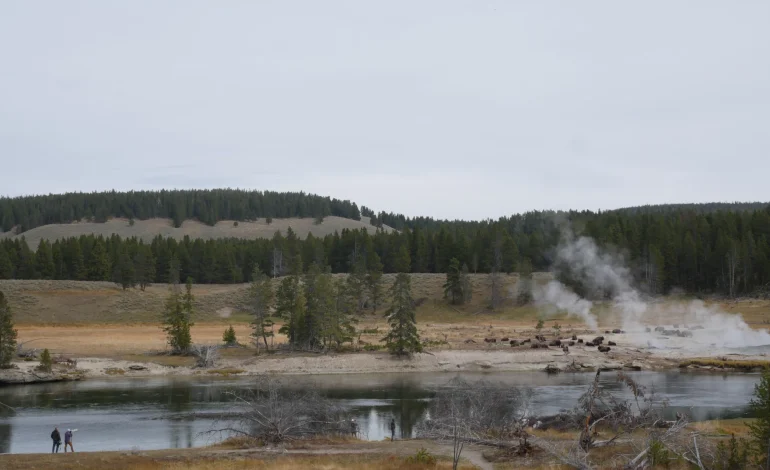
[445,108]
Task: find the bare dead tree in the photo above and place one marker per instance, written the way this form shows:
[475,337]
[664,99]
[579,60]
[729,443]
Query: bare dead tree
[273,413]
[277,262]
[205,355]
[478,413]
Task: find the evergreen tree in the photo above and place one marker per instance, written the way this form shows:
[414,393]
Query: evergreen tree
[77,267]
[99,263]
[374,282]
[229,337]
[26,268]
[144,267]
[403,338]
[177,318]
[44,261]
[125,274]
[290,305]
[6,267]
[261,302]
[46,362]
[402,262]
[453,288]
[357,286]
[760,408]
[7,334]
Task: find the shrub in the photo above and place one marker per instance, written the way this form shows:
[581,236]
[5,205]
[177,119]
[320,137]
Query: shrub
[422,457]
[46,363]
[539,325]
[732,455]
[760,407]
[229,337]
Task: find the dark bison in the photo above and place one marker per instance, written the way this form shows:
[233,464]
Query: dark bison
[611,343]
[490,340]
[514,343]
[580,340]
[571,343]
[604,349]
[589,343]
[598,340]
[556,342]
[503,340]
[617,330]
[574,337]
[468,341]
[540,338]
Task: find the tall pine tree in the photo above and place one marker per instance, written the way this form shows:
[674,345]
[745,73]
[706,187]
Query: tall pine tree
[402,339]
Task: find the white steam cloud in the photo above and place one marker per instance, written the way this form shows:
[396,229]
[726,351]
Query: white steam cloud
[605,274]
[554,296]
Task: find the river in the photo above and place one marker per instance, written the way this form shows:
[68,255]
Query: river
[124,414]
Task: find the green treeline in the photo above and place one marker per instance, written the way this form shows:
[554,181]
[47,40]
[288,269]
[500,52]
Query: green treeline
[207,206]
[724,252]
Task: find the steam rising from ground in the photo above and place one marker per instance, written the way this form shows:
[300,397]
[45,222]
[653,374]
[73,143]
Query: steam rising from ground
[605,274]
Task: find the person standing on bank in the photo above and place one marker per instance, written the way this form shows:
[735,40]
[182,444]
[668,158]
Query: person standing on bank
[56,438]
[68,441]
[392,429]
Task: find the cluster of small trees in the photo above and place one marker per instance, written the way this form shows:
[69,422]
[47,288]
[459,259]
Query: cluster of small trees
[320,311]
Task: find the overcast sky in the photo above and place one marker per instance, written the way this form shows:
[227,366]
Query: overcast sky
[453,109]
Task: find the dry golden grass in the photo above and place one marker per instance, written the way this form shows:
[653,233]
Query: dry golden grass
[100,319]
[724,427]
[192,460]
[740,365]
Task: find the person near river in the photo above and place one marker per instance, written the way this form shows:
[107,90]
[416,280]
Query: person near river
[353,427]
[392,429]
[68,441]
[56,438]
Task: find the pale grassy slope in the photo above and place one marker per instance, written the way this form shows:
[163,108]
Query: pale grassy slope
[148,229]
[77,303]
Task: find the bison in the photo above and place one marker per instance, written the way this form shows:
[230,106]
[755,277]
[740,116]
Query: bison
[571,343]
[611,343]
[574,337]
[503,340]
[580,340]
[617,330]
[604,349]
[598,340]
[556,342]
[589,343]
[514,343]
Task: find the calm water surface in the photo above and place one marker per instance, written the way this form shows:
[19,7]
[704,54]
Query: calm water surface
[121,414]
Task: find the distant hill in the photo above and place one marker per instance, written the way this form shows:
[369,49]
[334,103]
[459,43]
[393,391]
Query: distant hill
[206,206]
[700,208]
[146,230]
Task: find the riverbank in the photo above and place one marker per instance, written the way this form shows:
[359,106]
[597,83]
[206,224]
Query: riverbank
[306,455]
[630,351]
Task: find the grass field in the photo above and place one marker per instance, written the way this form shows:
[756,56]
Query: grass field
[150,228]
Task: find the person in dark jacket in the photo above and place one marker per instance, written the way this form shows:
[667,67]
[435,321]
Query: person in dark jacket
[56,438]
[68,441]
[392,429]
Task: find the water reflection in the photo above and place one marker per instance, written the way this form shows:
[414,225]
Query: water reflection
[121,414]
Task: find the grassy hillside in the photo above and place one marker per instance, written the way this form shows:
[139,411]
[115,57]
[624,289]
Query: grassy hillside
[72,302]
[148,229]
